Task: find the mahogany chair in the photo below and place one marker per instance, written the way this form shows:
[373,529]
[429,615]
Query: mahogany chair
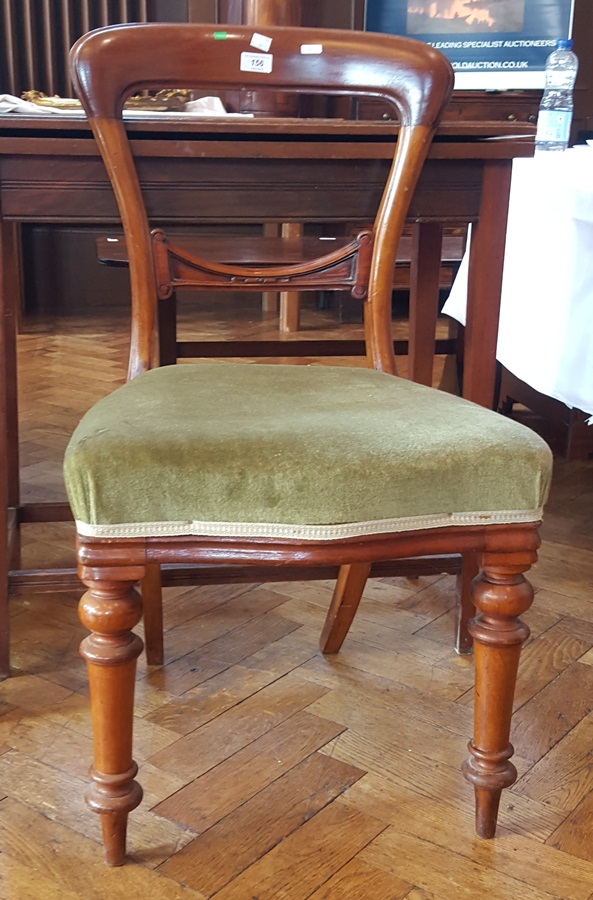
[285,465]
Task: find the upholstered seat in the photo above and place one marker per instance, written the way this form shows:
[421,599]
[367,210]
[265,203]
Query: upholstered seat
[297,452]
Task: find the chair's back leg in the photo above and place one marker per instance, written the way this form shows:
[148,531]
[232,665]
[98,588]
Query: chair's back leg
[345,600]
[465,609]
[152,601]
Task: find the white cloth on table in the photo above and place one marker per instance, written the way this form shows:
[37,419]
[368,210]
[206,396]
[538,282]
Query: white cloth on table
[202,106]
[546,317]
[10,103]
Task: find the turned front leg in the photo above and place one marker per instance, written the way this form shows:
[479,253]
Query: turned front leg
[110,609]
[501,594]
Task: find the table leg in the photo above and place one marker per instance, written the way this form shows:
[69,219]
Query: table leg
[9,449]
[425,270]
[290,301]
[167,324]
[12,286]
[270,300]
[4,659]
[485,283]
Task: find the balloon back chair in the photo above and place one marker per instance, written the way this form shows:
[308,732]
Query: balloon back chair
[233,463]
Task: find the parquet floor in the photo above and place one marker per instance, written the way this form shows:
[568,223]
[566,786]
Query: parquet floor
[269,771]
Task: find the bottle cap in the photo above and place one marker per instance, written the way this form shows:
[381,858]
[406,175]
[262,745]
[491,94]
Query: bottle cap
[564,45]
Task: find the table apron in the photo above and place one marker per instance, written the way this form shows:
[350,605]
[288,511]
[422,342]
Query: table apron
[72,189]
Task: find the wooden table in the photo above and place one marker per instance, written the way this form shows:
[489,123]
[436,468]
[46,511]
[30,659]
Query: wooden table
[50,172]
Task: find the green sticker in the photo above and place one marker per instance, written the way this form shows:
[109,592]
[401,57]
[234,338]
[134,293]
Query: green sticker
[220,35]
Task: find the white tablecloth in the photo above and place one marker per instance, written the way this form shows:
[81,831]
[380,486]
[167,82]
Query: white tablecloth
[546,316]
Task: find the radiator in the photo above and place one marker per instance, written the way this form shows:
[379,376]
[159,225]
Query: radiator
[36,36]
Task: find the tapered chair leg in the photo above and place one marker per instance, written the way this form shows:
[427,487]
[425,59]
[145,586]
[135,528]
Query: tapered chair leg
[152,600]
[345,600]
[501,594]
[110,609]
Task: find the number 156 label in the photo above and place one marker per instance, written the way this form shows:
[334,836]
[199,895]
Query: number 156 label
[256,62]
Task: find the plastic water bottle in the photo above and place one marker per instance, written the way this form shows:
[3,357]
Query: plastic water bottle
[555,111]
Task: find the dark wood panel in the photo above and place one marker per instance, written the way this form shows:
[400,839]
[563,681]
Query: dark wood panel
[189,189]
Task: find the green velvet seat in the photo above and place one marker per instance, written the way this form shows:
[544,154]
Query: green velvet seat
[296,451]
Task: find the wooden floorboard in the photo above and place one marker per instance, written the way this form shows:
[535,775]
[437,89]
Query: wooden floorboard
[270,771]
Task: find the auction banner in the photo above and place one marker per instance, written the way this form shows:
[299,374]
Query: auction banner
[492,44]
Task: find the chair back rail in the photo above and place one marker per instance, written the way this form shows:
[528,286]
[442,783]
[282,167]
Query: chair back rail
[109,64]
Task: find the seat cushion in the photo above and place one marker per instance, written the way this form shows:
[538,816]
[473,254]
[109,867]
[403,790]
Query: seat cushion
[304,452]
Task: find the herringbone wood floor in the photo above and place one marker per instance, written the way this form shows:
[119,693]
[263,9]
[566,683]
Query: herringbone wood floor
[269,771]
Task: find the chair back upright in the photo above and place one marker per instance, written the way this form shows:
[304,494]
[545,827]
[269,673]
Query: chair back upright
[110,64]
